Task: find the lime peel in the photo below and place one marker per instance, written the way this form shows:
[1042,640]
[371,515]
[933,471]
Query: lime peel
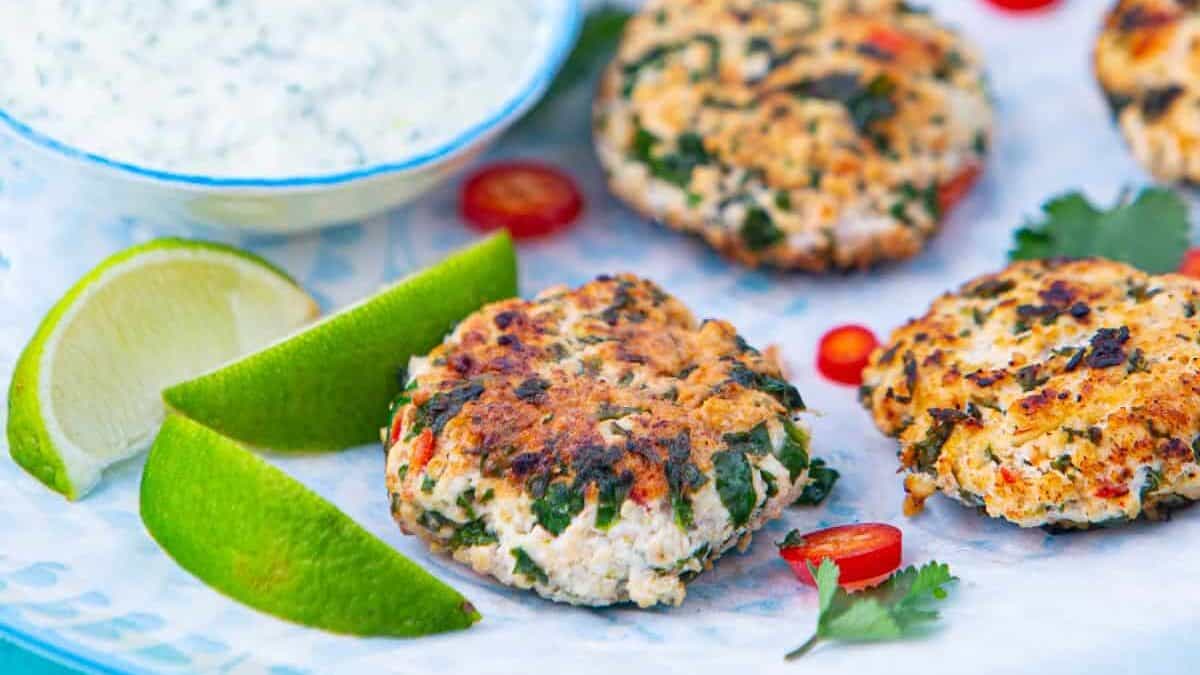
[327,387]
[84,393]
[257,535]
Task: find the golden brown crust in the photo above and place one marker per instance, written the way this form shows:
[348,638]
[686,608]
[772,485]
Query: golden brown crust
[596,445]
[1061,393]
[1147,63]
[555,374]
[789,135]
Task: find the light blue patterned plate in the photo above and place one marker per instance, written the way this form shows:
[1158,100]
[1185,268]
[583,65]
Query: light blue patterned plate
[83,583]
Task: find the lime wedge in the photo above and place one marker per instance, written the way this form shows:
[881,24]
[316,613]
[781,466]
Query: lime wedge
[328,386]
[253,533]
[86,392]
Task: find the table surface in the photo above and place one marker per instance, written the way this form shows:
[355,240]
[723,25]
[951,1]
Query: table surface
[1123,600]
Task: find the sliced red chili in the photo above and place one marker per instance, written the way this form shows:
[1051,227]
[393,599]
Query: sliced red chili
[1023,5]
[422,450]
[865,553]
[397,429]
[887,39]
[1112,491]
[953,191]
[844,351]
[529,199]
[1190,267]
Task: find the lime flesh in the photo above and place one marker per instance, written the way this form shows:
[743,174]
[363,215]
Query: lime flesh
[253,533]
[86,391]
[328,386]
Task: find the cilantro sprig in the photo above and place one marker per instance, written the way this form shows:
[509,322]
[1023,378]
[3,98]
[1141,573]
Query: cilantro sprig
[1150,232]
[897,608]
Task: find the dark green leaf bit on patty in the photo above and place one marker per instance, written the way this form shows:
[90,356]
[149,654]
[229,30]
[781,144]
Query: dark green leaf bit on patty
[735,485]
[610,496]
[930,448]
[557,507]
[734,473]
[474,533]
[822,479]
[656,57]
[444,406]
[683,476]
[675,168]
[793,453]
[757,441]
[926,198]
[595,464]
[532,390]
[867,103]
[526,567]
[785,393]
[759,231]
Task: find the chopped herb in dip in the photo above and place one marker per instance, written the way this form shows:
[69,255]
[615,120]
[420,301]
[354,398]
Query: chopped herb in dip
[259,88]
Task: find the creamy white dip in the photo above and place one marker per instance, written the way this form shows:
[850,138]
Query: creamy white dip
[264,88]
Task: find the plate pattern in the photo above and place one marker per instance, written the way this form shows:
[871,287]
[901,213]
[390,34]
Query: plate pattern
[83,583]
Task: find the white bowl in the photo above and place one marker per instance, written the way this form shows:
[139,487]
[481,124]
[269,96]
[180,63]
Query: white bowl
[299,203]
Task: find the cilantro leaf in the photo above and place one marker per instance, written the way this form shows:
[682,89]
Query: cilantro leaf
[897,608]
[1150,232]
[860,621]
[827,584]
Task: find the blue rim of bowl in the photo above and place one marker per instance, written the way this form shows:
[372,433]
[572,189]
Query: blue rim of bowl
[567,29]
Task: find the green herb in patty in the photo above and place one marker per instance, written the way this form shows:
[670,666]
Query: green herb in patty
[926,197]
[532,390]
[682,476]
[608,411]
[822,479]
[735,485]
[866,103]
[654,58]
[474,533]
[675,168]
[526,567]
[785,393]
[444,406]
[757,441]
[759,231]
[930,448]
[609,498]
[793,453]
[555,509]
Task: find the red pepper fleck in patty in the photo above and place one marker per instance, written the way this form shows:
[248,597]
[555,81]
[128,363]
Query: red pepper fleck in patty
[422,451]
